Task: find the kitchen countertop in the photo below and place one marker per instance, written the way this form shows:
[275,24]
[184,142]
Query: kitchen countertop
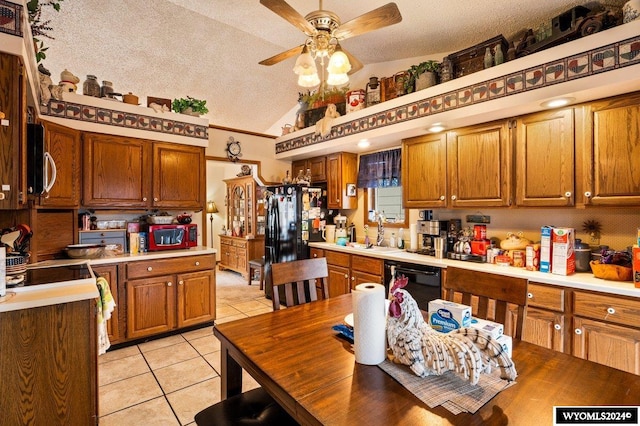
[580,280]
[80,289]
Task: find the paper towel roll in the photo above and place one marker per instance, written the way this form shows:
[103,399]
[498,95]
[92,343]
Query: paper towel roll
[413,230]
[369,323]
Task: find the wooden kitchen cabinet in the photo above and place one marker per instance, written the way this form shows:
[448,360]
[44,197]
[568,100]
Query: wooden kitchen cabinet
[49,365]
[346,271]
[63,144]
[424,171]
[317,165]
[123,172]
[13,147]
[608,150]
[342,169]
[116,172]
[545,159]
[547,322]
[110,273]
[479,166]
[178,176]
[167,294]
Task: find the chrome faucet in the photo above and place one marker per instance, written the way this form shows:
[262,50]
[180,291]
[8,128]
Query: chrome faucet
[380,238]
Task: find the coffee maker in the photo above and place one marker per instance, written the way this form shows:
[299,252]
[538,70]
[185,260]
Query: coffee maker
[341,226]
[430,229]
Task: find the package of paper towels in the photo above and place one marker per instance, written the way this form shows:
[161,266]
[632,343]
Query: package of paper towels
[369,323]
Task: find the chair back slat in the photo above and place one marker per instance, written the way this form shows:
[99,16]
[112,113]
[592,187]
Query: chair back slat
[494,297]
[300,275]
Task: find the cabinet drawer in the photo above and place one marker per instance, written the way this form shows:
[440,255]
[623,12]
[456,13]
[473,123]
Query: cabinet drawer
[366,264]
[169,266]
[225,242]
[315,253]
[607,308]
[240,244]
[337,258]
[544,296]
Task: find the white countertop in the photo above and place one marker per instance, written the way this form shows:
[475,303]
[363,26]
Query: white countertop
[81,289]
[580,280]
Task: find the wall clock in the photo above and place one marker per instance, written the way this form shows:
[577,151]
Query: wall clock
[233,149]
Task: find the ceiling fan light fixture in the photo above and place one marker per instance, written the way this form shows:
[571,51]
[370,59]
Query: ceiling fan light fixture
[339,62]
[305,65]
[337,79]
[308,80]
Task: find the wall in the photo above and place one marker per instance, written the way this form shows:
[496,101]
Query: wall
[257,152]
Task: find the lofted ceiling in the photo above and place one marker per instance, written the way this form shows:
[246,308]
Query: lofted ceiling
[210,49]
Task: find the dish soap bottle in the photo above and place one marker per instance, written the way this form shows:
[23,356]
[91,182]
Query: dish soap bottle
[401,239]
[392,240]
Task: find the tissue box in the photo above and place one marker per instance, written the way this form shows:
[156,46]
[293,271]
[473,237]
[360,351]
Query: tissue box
[445,316]
[494,328]
[507,343]
[563,254]
[545,249]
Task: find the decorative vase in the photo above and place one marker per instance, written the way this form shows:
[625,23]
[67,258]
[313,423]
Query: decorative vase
[426,79]
[630,11]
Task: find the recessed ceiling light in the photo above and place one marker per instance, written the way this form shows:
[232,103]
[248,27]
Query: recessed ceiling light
[364,143]
[436,127]
[555,103]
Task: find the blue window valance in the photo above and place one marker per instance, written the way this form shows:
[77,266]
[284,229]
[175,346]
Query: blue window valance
[380,169]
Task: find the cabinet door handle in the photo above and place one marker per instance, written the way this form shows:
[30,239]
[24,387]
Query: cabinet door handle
[557,326]
[611,311]
[442,197]
[587,194]
[567,194]
[530,295]
[149,268]
[181,282]
[315,255]
[578,331]
[144,198]
[155,198]
[169,284]
[346,276]
[353,278]
[453,198]
[197,263]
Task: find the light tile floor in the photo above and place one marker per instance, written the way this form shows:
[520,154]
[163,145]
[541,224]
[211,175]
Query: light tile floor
[167,381]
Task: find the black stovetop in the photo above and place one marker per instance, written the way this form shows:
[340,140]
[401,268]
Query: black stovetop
[53,274]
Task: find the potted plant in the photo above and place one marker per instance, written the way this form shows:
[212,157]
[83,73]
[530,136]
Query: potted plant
[421,76]
[190,106]
[39,27]
[322,98]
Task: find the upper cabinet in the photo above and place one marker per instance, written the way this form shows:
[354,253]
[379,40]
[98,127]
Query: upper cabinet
[342,169]
[63,144]
[178,176]
[116,171]
[122,172]
[317,166]
[479,165]
[545,159]
[608,139]
[13,130]
[424,171]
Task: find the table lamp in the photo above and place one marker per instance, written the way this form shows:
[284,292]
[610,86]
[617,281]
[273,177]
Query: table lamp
[211,209]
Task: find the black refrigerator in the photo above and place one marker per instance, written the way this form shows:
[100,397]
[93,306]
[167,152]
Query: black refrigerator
[296,214]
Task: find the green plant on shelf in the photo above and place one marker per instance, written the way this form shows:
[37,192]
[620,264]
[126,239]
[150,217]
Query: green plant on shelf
[416,71]
[40,28]
[189,105]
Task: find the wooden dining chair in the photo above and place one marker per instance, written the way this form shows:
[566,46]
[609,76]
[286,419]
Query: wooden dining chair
[300,280]
[492,297]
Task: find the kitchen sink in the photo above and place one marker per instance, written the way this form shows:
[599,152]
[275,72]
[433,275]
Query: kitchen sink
[374,248]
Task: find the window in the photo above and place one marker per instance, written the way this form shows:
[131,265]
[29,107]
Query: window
[379,176]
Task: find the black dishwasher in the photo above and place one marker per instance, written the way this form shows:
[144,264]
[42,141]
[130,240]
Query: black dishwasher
[424,281]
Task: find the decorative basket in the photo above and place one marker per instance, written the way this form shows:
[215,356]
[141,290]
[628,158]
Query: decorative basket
[611,272]
[16,264]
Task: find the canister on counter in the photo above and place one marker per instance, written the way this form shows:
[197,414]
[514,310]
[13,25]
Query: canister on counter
[355,100]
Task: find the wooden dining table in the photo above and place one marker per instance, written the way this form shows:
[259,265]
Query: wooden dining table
[311,371]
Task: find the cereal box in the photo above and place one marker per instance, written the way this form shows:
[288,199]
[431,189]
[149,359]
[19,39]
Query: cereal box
[445,316]
[563,258]
[494,328]
[545,249]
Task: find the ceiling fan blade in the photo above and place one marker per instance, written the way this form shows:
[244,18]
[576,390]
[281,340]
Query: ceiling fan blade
[282,56]
[356,65]
[282,8]
[377,18]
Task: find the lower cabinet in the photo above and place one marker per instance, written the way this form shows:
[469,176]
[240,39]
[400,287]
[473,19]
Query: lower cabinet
[110,273]
[595,326]
[49,364]
[346,271]
[236,252]
[168,294]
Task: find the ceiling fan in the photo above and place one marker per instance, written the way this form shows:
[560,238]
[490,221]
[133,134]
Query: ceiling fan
[324,30]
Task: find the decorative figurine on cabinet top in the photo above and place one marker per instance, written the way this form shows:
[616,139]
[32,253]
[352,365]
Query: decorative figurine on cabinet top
[68,81]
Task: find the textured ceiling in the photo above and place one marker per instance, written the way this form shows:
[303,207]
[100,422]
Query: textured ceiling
[210,49]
